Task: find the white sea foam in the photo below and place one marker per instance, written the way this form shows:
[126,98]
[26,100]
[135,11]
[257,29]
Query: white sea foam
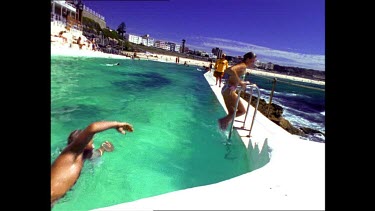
[297,121]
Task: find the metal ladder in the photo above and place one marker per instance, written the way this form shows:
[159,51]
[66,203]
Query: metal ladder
[239,88]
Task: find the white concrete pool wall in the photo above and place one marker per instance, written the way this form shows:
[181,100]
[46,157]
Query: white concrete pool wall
[289,174]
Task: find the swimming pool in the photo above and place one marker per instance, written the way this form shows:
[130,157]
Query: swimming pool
[176,143]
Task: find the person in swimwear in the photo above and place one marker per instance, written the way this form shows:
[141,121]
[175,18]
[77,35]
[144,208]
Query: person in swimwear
[61,34]
[67,167]
[229,89]
[115,64]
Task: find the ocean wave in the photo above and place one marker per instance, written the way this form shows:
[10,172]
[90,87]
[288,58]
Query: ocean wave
[288,94]
[299,121]
[279,94]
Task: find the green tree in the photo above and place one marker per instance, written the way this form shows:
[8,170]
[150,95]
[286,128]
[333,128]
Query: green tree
[91,25]
[110,33]
[183,46]
[121,29]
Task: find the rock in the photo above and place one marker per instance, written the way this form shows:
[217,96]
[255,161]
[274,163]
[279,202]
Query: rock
[274,112]
[307,130]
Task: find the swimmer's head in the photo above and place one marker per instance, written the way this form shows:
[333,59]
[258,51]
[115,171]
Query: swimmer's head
[74,134]
[249,58]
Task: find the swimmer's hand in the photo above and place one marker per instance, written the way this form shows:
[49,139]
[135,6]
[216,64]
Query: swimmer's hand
[243,85]
[107,146]
[250,84]
[124,126]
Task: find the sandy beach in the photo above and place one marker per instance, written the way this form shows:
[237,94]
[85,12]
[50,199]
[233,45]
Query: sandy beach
[75,51]
[281,76]
[67,51]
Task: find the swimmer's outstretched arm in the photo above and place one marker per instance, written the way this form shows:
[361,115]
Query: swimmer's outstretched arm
[100,126]
[88,133]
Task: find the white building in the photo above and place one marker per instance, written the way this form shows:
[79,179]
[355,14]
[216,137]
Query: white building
[177,47]
[145,39]
[133,38]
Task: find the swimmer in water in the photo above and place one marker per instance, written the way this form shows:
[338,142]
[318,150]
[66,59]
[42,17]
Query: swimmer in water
[66,168]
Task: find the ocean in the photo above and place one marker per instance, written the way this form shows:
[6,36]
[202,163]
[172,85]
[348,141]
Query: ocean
[303,103]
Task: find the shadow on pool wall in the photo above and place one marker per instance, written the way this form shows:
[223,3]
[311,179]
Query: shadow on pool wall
[258,158]
[255,157]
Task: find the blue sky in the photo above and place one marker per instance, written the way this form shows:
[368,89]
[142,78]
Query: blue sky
[284,32]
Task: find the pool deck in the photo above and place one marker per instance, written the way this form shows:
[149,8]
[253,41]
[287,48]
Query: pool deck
[293,179]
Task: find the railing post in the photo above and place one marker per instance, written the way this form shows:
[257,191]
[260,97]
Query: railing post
[255,109]
[248,104]
[273,89]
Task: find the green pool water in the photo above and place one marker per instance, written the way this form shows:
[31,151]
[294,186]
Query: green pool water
[176,143]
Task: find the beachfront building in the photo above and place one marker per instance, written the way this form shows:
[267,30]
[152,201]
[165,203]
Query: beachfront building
[144,40]
[264,65]
[66,15]
[89,13]
[159,44]
[201,53]
[217,51]
[212,56]
[269,66]
[67,27]
[66,24]
[169,46]
[133,38]
[177,48]
[173,47]
[163,45]
[147,40]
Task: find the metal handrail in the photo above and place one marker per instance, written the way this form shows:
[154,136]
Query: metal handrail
[251,86]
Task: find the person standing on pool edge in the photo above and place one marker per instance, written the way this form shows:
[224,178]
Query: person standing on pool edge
[67,167]
[229,89]
[220,65]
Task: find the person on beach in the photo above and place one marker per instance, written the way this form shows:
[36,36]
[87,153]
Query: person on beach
[61,35]
[67,167]
[114,64]
[229,89]
[220,65]
[79,42]
[93,44]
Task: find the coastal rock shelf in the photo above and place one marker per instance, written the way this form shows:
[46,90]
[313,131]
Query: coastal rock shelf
[276,116]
